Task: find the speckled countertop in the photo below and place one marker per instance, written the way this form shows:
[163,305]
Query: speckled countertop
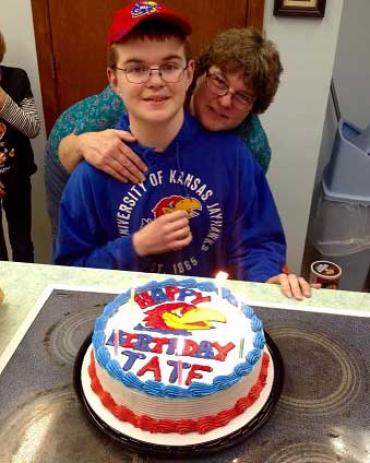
[23,284]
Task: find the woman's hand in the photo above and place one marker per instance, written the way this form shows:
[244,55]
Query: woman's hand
[107,151]
[293,285]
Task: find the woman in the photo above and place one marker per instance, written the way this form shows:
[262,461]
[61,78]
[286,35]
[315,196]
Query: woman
[19,121]
[236,79]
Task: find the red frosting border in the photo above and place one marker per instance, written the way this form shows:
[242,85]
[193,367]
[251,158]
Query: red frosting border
[200,425]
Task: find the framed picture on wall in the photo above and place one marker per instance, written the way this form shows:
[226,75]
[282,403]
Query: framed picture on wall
[312,8]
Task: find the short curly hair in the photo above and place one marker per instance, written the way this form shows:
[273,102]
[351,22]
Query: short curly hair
[2,47]
[245,50]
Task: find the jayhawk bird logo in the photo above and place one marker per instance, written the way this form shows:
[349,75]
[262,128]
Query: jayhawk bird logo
[177,203]
[181,316]
[141,8]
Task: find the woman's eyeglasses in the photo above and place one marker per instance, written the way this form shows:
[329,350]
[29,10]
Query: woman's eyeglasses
[220,88]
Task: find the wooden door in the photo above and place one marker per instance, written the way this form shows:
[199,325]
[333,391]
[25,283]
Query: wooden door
[71,41]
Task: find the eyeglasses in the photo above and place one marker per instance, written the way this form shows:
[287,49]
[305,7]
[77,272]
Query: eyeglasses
[140,74]
[220,88]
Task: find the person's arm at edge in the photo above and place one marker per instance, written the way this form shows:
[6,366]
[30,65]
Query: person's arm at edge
[23,116]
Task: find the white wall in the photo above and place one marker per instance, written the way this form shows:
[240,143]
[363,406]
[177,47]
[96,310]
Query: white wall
[294,122]
[352,63]
[16,25]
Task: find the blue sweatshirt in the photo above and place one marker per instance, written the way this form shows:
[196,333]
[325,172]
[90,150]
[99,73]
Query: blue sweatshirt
[233,217]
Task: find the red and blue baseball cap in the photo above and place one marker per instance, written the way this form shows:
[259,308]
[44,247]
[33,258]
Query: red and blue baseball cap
[127,18]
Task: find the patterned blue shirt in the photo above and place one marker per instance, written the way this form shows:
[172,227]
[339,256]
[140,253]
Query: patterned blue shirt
[102,111]
[92,114]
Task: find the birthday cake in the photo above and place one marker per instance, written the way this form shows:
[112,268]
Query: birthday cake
[177,356]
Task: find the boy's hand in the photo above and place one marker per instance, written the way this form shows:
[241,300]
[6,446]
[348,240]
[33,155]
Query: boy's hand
[170,232]
[293,285]
[107,151]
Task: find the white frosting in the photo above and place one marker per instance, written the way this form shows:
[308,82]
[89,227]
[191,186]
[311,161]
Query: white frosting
[194,407]
[235,328]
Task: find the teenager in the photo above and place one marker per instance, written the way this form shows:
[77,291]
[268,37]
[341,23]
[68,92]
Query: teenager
[205,204]
[88,123]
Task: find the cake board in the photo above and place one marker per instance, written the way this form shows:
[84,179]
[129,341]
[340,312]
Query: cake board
[174,444]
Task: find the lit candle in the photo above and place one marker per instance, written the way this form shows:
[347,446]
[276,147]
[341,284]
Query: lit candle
[241,347]
[179,372]
[239,304]
[115,340]
[221,277]
[179,351]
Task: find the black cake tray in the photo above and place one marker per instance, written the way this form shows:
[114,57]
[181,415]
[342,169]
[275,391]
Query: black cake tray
[195,450]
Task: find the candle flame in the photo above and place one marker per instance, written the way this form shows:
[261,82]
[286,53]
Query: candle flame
[222,276]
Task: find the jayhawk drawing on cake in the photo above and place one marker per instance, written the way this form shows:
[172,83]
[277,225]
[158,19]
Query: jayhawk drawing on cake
[181,316]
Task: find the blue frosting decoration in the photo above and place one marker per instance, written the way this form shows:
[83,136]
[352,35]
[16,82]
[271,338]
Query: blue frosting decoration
[159,389]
